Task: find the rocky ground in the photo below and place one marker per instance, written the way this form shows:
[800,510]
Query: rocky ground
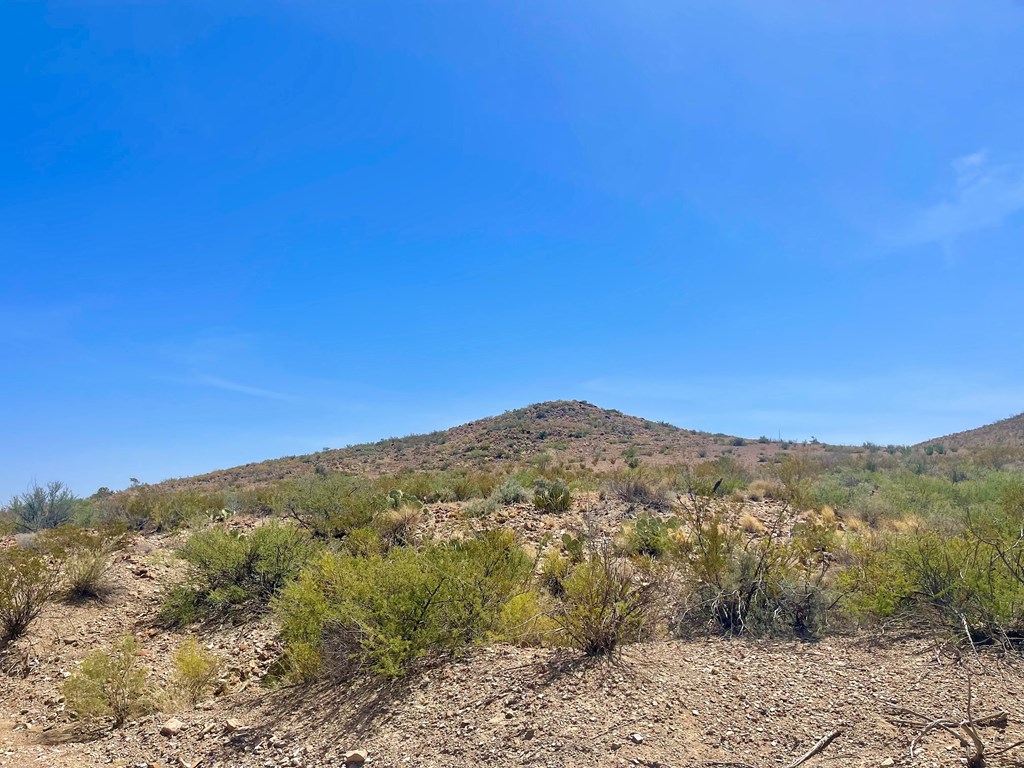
[705,702]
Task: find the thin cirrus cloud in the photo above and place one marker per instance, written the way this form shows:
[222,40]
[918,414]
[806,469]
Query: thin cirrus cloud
[244,389]
[984,195]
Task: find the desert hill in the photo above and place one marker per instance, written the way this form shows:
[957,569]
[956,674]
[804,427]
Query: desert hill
[571,431]
[1007,433]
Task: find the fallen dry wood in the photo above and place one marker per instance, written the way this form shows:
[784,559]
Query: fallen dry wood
[824,742]
[820,746]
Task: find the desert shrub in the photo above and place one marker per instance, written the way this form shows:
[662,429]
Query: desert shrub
[765,585]
[363,542]
[110,684]
[554,568]
[397,525]
[383,613]
[229,570]
[552,495]
[526,621]
[27,585]
[750,524]
[42,507]
[510,492]
[765,489]
[480,508]
[608,602]
[636,487]
[330,506]
[195,671]
[651,536]
[965,582]
[84,556]
[86,570]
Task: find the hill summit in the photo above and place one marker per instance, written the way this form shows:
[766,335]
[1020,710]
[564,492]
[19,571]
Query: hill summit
[571,431]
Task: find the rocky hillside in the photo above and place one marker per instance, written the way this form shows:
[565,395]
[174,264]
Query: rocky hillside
[571,431]
[1008,433]
[704,701]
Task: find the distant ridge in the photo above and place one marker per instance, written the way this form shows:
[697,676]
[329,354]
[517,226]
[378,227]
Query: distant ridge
[572,431]
[1006,433]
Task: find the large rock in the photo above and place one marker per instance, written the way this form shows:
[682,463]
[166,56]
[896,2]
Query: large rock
[171,727]
[355,757]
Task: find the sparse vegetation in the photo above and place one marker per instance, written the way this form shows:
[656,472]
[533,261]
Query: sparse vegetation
[195,671]
[27,584]
[111,684]
[42,507]
[552,496]
[607,602]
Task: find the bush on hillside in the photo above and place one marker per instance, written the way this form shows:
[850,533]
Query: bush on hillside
[27,585]
[84,556]
[195,671]
[607,602]
[110,684]
[764,585]
[552,496]
[384,613]
[510,492]
[231,570]
[635,487]
[43,507]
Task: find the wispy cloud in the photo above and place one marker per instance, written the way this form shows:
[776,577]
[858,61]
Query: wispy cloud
[233,386]
[984,194]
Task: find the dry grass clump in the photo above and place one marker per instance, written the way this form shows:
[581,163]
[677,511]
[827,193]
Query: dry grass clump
[759,490]
[751,524]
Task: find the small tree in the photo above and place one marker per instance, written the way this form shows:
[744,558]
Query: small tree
[40,507]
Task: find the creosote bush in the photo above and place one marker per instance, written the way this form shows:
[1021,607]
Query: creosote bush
[607,602]
[231,570]
[110,684]
[769,584]
[383,613]
[634,486]
[195,671]
[27,585]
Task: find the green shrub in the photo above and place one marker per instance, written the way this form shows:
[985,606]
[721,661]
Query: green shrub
[110,684]
[43,507]
[480,508]
[526,621]
[607,602]
[510,492]
[383,613]
[398,524]
[84,556]
[554,568]
[27,585]
[195,671]
[552,496]
[331,506]
[650,536]
[228,570]
[956,584]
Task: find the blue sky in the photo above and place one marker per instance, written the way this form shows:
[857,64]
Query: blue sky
[232,231]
